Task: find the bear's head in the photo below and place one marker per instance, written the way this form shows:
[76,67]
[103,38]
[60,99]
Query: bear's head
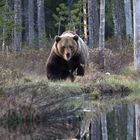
[66,46]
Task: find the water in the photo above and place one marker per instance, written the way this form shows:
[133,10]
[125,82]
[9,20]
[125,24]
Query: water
[44,131]
[89,122]
[117,124]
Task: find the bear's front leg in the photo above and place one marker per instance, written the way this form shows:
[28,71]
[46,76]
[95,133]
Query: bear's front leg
[52,73]
[55,72]
[80,70]
[71,76]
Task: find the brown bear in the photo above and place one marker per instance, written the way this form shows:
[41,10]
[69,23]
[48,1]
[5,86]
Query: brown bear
[68,55]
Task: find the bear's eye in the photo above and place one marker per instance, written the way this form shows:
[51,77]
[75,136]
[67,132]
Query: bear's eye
[71,46]
[63,46]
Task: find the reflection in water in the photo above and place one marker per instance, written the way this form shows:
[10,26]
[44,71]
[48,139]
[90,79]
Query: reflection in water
[117,124]
[44,131]
[137,121]
[130,122]
[122,122]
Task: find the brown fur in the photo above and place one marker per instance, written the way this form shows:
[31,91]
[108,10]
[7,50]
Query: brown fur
[68,56]
[66,45]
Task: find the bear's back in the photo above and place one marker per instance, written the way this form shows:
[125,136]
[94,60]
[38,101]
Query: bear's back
[68,33]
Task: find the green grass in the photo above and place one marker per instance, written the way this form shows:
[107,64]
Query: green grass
[127,82]
[61,85]
[122,80]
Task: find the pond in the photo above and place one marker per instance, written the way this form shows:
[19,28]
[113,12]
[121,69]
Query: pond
[87,122]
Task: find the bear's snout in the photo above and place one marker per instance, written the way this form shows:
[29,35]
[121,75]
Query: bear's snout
[68,55]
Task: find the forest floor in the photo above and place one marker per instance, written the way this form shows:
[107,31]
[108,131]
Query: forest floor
[25,90]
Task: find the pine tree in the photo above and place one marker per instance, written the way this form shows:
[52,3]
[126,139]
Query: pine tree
[6,23]
[70,19]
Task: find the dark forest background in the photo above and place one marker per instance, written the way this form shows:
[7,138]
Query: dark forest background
[34,23]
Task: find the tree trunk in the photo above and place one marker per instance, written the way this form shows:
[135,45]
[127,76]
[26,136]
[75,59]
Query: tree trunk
[102,33]
[4,30]
[90,23]
[116,124]
[41,23]
[85,20]
[70,20]
[136,20]
[102,25]
[17,29]
[130,122]
[128,19]
[96,22]
[93,23]
[31,22]
[137,120]
[115,18]
[94,132]
[3,39]
[119,20]
[25,33]
[104,126]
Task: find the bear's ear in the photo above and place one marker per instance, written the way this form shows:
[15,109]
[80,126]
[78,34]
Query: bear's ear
[57,38]
[75,38]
